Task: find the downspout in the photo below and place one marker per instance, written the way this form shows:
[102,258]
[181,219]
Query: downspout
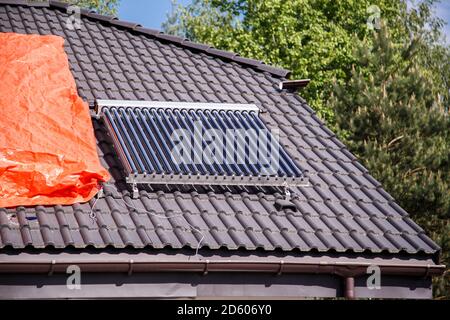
[350,288]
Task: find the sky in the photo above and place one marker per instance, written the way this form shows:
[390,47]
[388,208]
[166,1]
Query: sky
[444,13]
[148,13]
[151,13]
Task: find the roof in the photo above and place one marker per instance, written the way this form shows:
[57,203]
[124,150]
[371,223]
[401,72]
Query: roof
[344,210]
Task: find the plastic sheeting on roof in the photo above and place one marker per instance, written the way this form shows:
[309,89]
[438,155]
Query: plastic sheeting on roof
[48,151]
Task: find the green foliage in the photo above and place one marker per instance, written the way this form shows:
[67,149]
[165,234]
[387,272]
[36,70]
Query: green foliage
[108,7]
[395,123]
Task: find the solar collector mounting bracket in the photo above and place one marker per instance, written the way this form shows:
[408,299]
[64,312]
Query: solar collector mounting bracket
[214,180]
[223,180]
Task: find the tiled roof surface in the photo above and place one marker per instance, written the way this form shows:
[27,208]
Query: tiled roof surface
[345,209]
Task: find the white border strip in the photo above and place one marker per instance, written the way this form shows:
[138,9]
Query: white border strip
[99,104]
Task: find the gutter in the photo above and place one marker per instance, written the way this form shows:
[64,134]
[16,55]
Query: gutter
[278,267]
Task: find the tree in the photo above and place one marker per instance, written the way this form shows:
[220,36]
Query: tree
[391,119]
[108,7]
[313,38]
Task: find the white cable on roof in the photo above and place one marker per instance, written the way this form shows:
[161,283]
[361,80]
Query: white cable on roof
[92,215]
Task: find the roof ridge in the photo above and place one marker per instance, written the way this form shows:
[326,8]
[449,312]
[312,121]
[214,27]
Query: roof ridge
[161,36]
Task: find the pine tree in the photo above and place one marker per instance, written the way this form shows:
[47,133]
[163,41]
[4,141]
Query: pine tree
[393,120]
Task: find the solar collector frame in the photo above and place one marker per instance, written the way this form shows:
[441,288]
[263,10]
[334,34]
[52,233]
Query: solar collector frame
[142,133]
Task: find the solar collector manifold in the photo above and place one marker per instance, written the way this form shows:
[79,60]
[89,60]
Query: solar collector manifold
[162,143]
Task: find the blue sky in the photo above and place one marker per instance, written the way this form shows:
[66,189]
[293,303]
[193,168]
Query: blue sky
[151,13]
[148,13]
[443,11]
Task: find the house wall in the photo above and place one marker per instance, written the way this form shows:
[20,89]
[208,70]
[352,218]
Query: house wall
[224,285]
[396,287]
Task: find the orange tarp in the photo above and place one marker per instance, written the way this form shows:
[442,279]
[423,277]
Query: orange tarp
[48,151]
